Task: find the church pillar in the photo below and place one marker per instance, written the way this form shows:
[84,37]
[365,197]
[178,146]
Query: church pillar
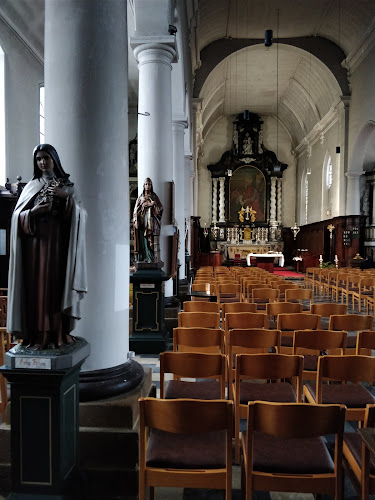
[353,193]
[154,56]
[86,120]
[222,200]
[273,200]
[188,199]
[279,200]
[178,128]
[214,199]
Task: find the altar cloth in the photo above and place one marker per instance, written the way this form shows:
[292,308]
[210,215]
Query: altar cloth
[279,256]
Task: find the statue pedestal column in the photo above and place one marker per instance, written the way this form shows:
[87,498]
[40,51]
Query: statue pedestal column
[44,419]
[149,334]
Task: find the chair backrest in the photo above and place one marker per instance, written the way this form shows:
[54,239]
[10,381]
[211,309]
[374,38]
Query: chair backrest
[271,294]
[327,309]
[236,307]
[299,420]
[365,340]
[245,320]
[201,307]
[298,294]
[350,322]
[286,286]
[251,341]
[275,308]
[269,367]
[353,368]
[201,287]
[298,321]
[199,319]
[318,340]
[192,365]
[198,340]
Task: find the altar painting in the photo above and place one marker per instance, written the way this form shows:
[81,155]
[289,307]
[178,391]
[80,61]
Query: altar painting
[247,188]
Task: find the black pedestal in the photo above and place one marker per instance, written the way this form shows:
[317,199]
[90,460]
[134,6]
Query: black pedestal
[44,420]
[149,334]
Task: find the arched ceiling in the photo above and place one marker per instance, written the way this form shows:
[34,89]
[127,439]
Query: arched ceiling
[317,42]
[247,79]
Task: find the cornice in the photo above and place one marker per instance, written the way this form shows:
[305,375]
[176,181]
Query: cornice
[12,30]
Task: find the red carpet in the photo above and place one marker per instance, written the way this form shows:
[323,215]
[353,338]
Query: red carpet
[286,273]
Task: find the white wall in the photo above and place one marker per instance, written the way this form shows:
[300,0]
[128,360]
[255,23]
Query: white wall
[23,75]
[219,140]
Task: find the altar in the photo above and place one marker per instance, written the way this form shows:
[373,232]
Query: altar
[229,250]
[266,260]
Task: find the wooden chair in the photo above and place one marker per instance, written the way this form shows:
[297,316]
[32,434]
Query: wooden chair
[249,341]
[353,283]
[182,444]
[250,287]
[244,320]
[263,296]
[201,287]
[269,368]
[327,309]
[366,290]
[199,319]
[198,340]
[235,307]
[365,342]
[201,307]
[339,284]
[355,396]
[350,323]
[273,309]
[196,366]
[309,278]
[358,459]
[299,295]
[285,286]
[229,292]
[245,289]
[314,343]
[283,449]
[288,323]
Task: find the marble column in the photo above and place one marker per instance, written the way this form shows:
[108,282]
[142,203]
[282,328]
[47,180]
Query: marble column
[273,200]
[86,104]
[353,200]
[188,198]
[214,199]
[178,131]
[279,215]
[222,200]
[154,55]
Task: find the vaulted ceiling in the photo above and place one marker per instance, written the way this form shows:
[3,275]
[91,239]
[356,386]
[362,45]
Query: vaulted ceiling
[320,43]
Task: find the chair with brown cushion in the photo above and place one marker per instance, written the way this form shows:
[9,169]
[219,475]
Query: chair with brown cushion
[244,320]
[250,341]
[192,365]
[273,309]
[245,290]
[283,448]
[198,340]
[185,443]
[314,343]
[199,319]
[274,370]
[358,460]
[201,307]
[287,323]
[351,323]
[354,396]
[300,295]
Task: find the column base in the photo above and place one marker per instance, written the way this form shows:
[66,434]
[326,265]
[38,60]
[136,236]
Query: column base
[148,344]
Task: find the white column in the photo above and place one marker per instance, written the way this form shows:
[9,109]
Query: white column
[273,200]
[353,205]
[188,199]
[178,130]
[86,79]
[222,200]
[214,199]
[154,56]
[279,217]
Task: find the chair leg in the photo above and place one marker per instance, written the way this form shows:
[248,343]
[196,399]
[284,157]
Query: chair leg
[152,493]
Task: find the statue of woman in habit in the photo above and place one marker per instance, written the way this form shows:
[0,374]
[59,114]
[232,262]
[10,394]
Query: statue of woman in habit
[47,267]
[147,215]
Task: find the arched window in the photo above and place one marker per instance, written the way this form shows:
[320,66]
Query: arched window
[2,119]
[327,181]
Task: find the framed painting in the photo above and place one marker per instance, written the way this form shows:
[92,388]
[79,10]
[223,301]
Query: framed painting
[247,188]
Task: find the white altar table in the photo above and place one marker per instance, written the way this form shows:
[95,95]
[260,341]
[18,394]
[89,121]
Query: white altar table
[270,256]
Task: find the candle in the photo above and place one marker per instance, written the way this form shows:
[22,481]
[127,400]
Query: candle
[321,258]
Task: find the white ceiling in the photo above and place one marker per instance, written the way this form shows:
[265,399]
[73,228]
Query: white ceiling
[246,79]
